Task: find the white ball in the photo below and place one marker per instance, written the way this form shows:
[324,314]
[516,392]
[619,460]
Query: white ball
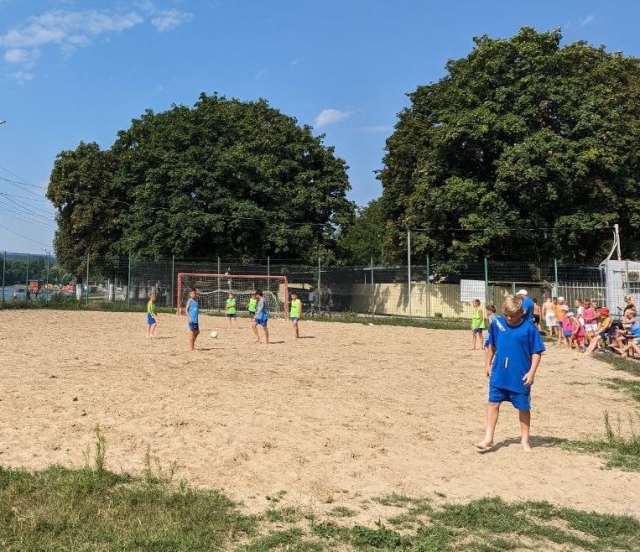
[214,334]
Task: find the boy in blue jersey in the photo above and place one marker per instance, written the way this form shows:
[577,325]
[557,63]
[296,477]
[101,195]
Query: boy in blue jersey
[515,350]
[261,318]
[191,308]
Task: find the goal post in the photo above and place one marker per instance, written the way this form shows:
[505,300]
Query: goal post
[213,291]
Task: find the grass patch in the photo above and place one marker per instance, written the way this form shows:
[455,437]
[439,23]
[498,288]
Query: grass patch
[342,512]
[432,323]
[619,452]
[283,515]
[620,363]
[92,509]
[631,387]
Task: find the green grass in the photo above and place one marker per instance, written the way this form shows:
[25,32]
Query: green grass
[92,509]
[434,323]
[619,452]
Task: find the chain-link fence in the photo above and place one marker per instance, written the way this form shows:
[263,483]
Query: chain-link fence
[428,290]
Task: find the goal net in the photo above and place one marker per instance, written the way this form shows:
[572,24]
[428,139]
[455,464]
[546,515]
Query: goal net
[213,291]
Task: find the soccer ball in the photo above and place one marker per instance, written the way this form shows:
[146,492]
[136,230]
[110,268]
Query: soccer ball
[214,334]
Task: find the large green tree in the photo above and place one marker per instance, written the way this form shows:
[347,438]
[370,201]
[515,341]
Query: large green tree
[362,242]
[229,178]
[525,150]
[82,189]
[225,178]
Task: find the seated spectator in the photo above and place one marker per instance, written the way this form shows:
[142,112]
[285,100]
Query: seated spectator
[622,334]
[601,332]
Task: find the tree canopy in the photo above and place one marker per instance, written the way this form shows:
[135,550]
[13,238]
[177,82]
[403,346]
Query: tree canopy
[525,150]
[225,178]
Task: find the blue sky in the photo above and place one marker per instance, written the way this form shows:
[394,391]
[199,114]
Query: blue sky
[73,70]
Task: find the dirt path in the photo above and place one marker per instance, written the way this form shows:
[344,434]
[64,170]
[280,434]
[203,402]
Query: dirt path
[346,413]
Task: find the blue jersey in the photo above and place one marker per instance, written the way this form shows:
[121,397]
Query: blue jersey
[262,313]
[515,346]
[527,307]
[192,309]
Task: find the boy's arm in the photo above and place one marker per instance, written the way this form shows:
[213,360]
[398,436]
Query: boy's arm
[531,374]
[488,359]
[186,310]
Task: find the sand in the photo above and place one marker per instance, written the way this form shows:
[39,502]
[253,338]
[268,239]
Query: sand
[346,413]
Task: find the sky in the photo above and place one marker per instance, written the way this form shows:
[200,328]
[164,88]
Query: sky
[81,70]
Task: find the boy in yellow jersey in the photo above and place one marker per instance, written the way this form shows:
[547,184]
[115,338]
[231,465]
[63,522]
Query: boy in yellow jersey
[152,316]
[251,307]
[296,313]
[478,324]
[232,314]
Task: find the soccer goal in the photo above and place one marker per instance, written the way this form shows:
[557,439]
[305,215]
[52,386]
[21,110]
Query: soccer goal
[213,291]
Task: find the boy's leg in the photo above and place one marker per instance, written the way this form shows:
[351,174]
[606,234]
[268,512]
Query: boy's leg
[254,326]
[493,409]
[525,426]
[153,329]
[266,333]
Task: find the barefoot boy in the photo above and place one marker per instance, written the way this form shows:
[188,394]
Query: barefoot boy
[191,309]
[515,347]
[295,314]
[152,316]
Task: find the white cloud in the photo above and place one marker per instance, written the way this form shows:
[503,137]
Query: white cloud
[586,20]
[169,19]
[21,76]
[69,30]
[297,61]
[330,116]
[260,74]
[16,55]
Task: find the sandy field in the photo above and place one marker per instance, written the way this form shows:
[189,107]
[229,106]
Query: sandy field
[346,413]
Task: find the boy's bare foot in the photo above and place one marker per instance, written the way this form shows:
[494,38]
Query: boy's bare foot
[483,446]
[526,447]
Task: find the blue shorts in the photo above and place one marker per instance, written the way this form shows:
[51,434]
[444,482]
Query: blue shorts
[567,334]
[521,401]
[477,330]
[232,316]
[150,319]
[294,319]
[261,321]
[194,327]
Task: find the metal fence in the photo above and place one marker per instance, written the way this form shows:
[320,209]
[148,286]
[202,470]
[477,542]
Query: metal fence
[425,290]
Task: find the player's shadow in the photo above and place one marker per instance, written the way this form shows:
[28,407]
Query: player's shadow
[276,342]
[306,337]
[164,337]
[534,441]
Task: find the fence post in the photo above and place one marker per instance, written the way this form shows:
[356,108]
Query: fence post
[87,283]
[319,284]
[27,282]
[428,287]
[4,265]
[46,284]
[371,271]
[555,277]
[129,283]
[219,272]
[173,277]
[486,281]
[409,269]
